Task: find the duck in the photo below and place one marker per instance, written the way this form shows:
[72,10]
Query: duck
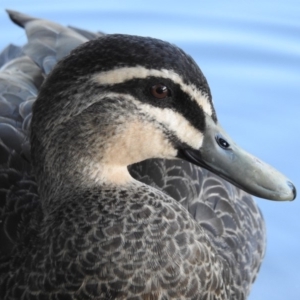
[117,180]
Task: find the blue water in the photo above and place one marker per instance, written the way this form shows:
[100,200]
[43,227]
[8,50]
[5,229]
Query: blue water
[250,54]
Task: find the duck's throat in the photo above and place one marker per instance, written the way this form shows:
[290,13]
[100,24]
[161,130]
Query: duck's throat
[106,174]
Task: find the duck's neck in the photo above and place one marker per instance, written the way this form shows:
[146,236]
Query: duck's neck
[94,148]
[97,205]
[91,181]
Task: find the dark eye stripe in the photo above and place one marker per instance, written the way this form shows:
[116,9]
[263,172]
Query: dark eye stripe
[177,99]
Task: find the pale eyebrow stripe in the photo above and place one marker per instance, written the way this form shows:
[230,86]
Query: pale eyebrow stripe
[128,73]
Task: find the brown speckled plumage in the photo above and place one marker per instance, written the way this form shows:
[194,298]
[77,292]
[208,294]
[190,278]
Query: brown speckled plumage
[179,232]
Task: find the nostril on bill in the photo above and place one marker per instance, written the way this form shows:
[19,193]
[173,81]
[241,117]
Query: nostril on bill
[222,142]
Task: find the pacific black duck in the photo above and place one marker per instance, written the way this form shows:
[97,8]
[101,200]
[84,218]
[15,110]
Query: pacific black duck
[75,224]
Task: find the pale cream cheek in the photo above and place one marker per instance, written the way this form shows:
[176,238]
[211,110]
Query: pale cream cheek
[137,140]
[134,142]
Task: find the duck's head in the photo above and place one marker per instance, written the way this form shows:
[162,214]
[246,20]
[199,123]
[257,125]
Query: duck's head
[122,99]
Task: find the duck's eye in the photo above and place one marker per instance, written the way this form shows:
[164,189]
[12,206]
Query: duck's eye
[160,91]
